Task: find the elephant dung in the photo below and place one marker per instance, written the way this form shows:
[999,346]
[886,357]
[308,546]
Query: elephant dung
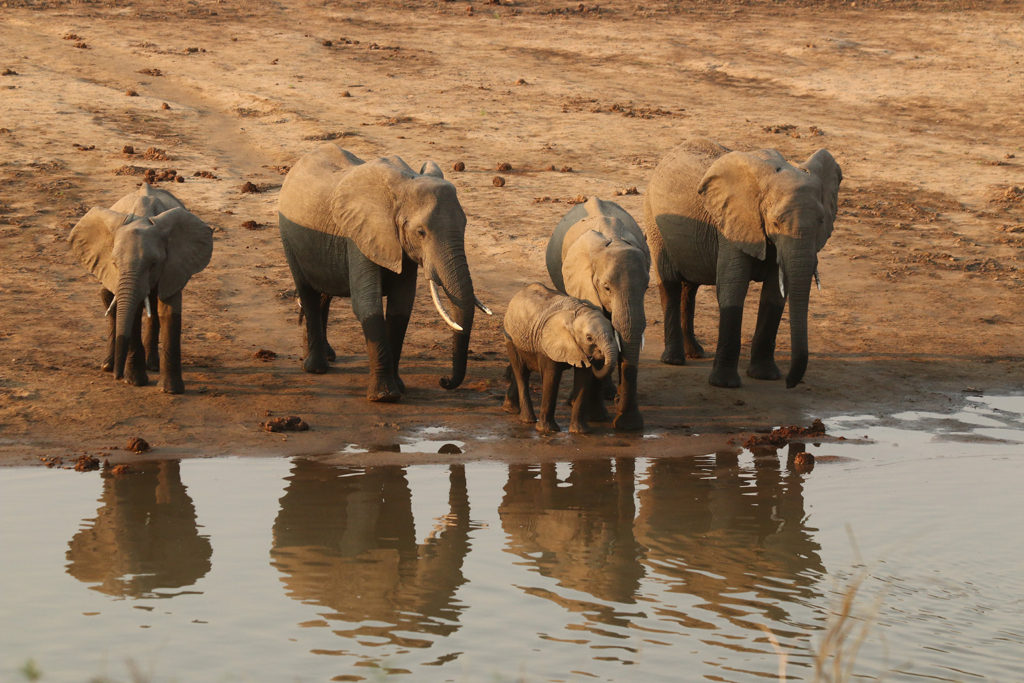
[137,445]
[292,423]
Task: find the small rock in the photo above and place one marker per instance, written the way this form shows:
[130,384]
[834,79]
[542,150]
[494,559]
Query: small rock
[264,355]
[522,81]
[249,188]
[131,93]
[128,149]
[165,106]
[137,445]
[498,181]
[504,166]
[87,463]
[252,225]
[326,43]
[458,166]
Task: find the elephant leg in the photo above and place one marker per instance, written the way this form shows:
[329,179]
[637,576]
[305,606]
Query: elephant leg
[671,297]
[383,387]
[689,301]
[325,310]
[551,377]
[511,402]
[169,315]
[315,360]
[520,375]
[628,418]
[135,362]
[152,335]
[401,295]
[582,386]
[106,296]
[769,313]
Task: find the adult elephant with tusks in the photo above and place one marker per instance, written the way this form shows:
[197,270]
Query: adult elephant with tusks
[144,250]
[362,230]
[717,217]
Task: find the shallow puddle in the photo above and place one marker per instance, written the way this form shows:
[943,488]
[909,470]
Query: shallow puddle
[731,566]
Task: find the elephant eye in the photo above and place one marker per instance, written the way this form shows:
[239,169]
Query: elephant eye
[590,338]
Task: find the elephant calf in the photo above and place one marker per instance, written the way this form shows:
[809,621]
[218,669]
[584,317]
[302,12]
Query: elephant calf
[143,249]
[599,254]
[717,217]
[547,332]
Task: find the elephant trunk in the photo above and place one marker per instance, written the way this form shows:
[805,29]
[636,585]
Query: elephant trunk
[799,281]
[129,298]
[610,355]
[630,322]
[453,276]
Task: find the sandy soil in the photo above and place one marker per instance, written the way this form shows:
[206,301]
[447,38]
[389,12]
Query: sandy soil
[922,300]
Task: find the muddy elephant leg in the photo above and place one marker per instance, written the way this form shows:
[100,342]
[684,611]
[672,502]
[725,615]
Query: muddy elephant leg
[551,377]
[135,362]
[689,301]
[151,334]
[401,290]
[106,296]
[769,313]
[315,360]
[628,417]
[520,378]
[585,389]
[671,293]
[169,315]
[366,285]
[325,311]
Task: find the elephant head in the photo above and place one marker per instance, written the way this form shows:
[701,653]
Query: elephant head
[758,198]
[391,213]
[133,257]
[612,273]
[582,337]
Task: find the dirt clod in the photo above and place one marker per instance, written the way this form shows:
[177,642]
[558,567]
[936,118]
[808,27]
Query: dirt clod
[248,188]
[205,174]
[131,92]
[87,463]
[803,462]
[504,166]
[10,72]
[578,199]
[137,444]
[458,166]
[498,181]
[292,423]
[127,149]
[151,72]
[253,225]
[165,106]
[565,169]
[155,154]
[265,355]
[628,190]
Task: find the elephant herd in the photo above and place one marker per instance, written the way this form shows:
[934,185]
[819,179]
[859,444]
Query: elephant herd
[363,230]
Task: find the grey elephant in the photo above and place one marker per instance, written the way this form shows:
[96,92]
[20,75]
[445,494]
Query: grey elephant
[144,250]
[362,230]
[723,218]
[547,332]
[599,254]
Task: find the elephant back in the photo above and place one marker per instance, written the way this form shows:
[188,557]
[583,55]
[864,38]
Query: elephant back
[147,202]
[305,198]
[618,224]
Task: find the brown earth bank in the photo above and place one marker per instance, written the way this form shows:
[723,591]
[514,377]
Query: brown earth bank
[922,301]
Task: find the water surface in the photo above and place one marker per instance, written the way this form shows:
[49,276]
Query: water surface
[625,569]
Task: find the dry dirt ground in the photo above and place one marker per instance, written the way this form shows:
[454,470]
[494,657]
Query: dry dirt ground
[922,300]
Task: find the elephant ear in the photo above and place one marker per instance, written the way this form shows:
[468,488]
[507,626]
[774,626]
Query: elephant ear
[189,247]
[92,243]
[364,209]
[578,266]
[732,194]
[431,168]
[823,165]
[558,343]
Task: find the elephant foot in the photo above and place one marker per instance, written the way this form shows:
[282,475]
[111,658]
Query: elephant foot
[766,369]
[173,385]
[631,421]
[510,406]
[314,364]
[136,378]
[724,377]
[331,355]
[548,427]
[694,350]
[383,390]
[108,364]
[527,417]
[579,428]
[673,357]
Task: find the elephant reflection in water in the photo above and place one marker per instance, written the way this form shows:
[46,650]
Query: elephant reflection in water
[582,527]
[735,539]
[144,538]
[345,539]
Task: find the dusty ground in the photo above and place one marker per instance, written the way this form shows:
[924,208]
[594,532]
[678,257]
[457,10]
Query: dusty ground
[919,102]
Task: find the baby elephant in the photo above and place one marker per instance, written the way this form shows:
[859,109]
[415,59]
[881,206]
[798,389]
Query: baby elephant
[547,332]
[144,249]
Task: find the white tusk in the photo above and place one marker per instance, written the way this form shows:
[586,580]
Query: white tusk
[110,308]
[782,284]
[149,312]
[643,340]
[817,280]
[482,307]
[618,342]
[440,309]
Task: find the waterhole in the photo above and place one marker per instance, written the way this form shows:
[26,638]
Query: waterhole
[898,556]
